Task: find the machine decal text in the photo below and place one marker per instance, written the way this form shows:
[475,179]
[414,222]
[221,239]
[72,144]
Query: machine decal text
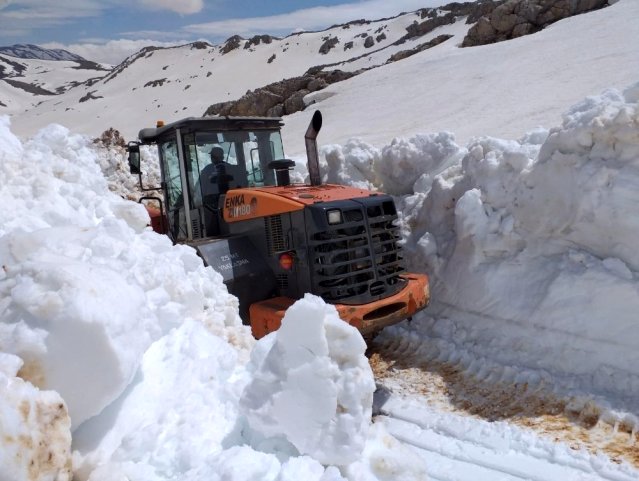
[236,206]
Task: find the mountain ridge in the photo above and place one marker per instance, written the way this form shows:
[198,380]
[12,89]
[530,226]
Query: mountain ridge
[31,51]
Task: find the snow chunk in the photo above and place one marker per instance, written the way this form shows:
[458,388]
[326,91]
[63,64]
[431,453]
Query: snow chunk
[351,164]
[386,459]
[405,161]
[312,384]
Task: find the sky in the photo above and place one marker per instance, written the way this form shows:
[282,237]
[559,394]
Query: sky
[109,30]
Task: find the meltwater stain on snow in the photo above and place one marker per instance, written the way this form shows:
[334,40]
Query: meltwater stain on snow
[35,434]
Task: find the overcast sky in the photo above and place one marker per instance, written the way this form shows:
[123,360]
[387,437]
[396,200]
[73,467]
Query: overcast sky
[109,30]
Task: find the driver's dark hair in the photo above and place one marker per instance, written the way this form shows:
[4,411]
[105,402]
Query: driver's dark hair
[217,154]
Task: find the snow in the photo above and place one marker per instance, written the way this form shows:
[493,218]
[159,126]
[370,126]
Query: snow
[529,245]
[555,221]
[501,90]
[327,384]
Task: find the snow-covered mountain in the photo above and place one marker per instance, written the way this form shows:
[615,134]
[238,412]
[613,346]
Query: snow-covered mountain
[177,82]
[185,81]
[29,51]
[26,82]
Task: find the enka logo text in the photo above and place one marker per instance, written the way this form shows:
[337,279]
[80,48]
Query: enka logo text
[236,206]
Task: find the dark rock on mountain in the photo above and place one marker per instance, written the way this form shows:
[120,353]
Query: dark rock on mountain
[155,83]
[258,39]
[199,46]
[27,87]
[17,67]
[328,44]
[88,65]
[279,98]
[473,10]
[427,26]
[401,55]
[515,18]
[369,42]
[90,96]
[232,43]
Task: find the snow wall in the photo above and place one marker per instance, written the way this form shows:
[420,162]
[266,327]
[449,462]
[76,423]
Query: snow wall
[530,245]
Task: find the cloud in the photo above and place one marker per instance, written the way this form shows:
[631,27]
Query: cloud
[30,15]
[110,52]
[185,7]
[314,18]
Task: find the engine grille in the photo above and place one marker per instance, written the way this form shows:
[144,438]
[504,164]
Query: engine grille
[359,260]
[275,239]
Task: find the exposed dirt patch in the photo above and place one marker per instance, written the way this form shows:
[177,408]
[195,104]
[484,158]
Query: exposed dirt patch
[32,371]
[450,389]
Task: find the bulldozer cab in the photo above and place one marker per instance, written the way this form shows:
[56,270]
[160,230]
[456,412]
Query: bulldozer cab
[201,159]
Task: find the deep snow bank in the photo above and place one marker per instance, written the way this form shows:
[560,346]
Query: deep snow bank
[83,279]
[531,247]
[541,255]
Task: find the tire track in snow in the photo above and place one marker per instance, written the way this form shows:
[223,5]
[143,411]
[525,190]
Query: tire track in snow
[410,371]
[464,449]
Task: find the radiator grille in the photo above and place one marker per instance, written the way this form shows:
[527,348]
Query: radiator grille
[359,260]
[275,239]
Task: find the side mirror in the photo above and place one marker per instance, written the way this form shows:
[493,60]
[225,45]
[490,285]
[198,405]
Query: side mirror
[134,157]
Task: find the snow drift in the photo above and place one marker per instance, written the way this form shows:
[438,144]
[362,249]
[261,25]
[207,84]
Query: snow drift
[536,270]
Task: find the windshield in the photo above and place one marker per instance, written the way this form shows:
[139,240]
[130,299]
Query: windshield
[245,156]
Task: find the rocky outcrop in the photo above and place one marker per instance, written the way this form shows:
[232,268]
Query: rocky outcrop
[258,39]
[401,55]
[329,43]
[427,26]
[279,98]
[90,96]
[200,45]
[473,10]
[232,43]
[155,83]
[27,87]
[515,18]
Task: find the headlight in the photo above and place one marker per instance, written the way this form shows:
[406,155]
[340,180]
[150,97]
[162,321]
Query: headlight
[334,216]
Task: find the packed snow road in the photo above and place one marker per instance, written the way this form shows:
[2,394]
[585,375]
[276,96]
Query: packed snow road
[471,427]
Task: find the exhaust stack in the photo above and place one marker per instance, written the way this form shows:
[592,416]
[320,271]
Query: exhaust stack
[311,148]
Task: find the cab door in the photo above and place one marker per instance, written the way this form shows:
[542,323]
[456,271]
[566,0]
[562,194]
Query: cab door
[173,189]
